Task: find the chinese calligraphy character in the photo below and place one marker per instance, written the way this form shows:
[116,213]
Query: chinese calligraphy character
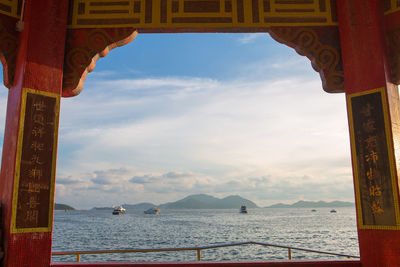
[36,160]
[33,202]
[32,216]
[38,118]
[376,207]
[371,173]
[372,156]
[369,126]
[375,191]
[39,106]
[36,146]
[371,142]
[366,111]
[35,173]
[33,188]
[38,131]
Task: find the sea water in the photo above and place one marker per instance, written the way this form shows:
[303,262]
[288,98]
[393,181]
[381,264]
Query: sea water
[100,230]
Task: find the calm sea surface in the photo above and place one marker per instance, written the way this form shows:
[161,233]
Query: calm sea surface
[100,230]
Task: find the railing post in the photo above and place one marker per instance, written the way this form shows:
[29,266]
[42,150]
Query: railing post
[198,255]
[78,257]
[289,253]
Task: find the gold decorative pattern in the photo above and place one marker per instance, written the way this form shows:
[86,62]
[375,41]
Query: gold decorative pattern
[391,6]
[171,14]
[10,8]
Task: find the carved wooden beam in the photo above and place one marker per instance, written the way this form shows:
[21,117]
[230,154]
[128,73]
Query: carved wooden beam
[187,14]
[309,26]
[95,27]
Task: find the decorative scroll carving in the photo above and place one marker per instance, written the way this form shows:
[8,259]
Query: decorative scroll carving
[321,45]
[8,48]
[167,14]
[83,48]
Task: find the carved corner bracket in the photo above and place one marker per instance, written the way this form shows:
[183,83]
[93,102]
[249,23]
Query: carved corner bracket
[8,48]
[322,46]
[83,48]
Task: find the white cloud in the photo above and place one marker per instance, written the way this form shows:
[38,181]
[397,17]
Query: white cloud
[212,136]
[251,37]
[270,139]
[3,107]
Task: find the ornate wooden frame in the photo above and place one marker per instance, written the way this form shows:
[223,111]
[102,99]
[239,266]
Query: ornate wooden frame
[97,26]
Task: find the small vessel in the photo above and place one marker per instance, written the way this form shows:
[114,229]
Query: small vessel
[333,211]
[153,210]
[313,210]
[243,209]
[118,210]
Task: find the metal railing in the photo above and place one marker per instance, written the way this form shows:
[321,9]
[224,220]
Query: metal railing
[199,249]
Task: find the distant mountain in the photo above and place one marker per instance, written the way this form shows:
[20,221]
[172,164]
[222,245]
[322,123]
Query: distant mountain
[102,208]
[203,201]
[200,201]
[230,202]
[312,204]
[139,206]
[58,206]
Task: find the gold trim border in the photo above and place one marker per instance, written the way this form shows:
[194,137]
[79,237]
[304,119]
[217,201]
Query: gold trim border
[13,4]
[393,7]
[169,25]
[388,130]
[14,229]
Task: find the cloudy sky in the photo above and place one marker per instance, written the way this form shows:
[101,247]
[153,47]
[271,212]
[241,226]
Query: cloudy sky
[171,115]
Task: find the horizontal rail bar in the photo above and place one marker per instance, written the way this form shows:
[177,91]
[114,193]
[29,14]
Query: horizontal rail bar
[198,249]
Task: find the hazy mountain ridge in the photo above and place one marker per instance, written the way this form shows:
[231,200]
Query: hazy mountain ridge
[58,206]
[203,201]
[313,204]
[199,201]
[141,206]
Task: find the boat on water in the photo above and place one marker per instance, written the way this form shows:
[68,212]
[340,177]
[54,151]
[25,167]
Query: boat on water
[243,209]
[153,210]
[333,211]
[118,210]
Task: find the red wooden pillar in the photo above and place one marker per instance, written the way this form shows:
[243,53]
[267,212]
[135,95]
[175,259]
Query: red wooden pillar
[373,121]
[30,142]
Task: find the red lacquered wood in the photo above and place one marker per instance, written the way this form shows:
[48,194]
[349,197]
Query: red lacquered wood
[365,68]
[362,44]
[39,66]
[392,21]
[291,263]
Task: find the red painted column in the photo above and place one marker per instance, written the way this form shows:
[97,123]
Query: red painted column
[39,68]
[374,141]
